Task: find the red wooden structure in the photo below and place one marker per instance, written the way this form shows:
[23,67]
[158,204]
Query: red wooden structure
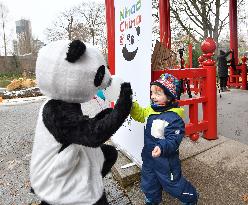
[110,18]
[207,85]
[233,30]
[207,73]
[240,79]
[164,16]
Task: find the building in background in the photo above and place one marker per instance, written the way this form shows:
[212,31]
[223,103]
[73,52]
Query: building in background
[24,37]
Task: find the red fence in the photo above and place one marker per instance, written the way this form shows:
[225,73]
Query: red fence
[238,80]
[206,87]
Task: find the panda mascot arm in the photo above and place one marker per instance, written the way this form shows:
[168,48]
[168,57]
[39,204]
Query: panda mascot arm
[68,125]
[69,158]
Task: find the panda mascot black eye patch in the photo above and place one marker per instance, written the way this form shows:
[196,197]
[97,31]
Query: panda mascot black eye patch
[99,75]
[75,51]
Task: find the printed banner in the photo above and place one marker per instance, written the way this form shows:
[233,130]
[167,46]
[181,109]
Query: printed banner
[133,45]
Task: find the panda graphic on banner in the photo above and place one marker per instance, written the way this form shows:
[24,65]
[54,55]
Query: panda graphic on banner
[130,30]
[131,48]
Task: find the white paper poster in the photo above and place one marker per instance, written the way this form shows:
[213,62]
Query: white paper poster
[133,45]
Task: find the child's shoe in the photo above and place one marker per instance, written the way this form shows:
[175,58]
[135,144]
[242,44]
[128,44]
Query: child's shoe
[148,202]
[192,203]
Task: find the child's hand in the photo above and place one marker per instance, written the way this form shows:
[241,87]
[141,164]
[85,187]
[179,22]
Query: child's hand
[156,152]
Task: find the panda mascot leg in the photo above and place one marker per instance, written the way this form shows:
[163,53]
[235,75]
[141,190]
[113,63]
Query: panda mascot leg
[110,155]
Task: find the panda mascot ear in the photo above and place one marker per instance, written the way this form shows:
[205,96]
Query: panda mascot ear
[75,51]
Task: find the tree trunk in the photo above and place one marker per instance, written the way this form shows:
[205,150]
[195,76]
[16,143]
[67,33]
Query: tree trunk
[4,36]
[204,19]
[216,26]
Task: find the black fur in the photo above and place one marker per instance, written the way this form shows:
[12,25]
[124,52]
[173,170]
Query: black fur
[75,51]
[102,201]
[66,122]
[32,190]
[99,76]
[104,112]
[110,155]
[43,203]
[64,146]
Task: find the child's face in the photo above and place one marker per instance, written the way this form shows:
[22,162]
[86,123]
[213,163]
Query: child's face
[158,96]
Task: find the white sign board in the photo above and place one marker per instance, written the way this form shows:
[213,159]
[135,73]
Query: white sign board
[133,45]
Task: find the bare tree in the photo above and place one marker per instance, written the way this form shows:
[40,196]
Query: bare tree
[85,22]
[67,26]
[3,16]
[200,18]
[93,15]
[36,46]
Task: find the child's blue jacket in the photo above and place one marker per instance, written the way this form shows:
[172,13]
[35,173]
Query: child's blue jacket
[166,130]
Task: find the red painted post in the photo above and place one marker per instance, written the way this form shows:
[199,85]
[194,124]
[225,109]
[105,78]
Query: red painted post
[193,116]
[244,73]
[164,21]
[190,55]
[168,24]
[110,18]
[233,32]
[200,61]
[210,107]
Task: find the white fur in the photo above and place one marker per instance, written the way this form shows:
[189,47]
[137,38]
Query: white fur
[72,82]
[71,177]
[113,91]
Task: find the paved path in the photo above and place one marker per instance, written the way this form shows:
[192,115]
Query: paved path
[233,115]
[218,169]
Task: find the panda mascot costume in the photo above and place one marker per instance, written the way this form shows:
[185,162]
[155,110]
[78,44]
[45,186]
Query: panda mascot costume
[69,159]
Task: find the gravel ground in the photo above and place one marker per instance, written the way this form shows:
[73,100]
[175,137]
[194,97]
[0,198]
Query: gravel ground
[17,130]
[17,127]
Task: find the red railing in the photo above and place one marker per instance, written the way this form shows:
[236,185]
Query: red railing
[206,87]
[239,80]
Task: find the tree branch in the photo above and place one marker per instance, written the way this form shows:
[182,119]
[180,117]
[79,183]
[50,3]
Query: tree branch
[196,20]
[177,17]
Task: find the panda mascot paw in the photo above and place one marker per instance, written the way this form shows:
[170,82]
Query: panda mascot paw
[69,157]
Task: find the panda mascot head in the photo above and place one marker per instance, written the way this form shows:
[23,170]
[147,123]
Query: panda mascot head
[69,158]
[72,72]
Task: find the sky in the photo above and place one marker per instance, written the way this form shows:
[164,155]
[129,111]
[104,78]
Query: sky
[40,12]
